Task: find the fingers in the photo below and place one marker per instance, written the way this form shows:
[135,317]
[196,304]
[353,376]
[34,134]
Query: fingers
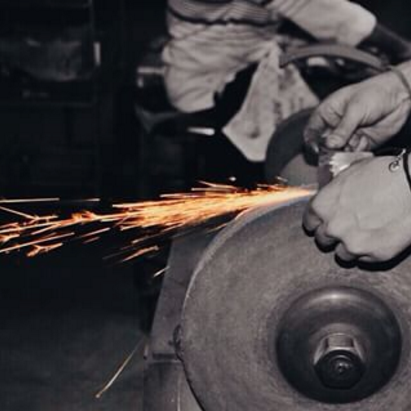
[343,254]
[335,121]
[324,120]
[311,221]
[359,143]
[367,260]
[341,135]
[315,129]
[323,238]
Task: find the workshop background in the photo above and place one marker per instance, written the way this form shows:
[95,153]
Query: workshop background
[69,319]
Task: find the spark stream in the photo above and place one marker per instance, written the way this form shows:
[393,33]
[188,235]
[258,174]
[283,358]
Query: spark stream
[149,222]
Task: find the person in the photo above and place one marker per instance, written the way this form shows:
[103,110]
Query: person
[365,212]
[211,41]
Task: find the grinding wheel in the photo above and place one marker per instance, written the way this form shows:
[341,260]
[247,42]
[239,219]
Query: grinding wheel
[286,156]
[252,303]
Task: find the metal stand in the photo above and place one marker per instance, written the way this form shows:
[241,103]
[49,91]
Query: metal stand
[165,384]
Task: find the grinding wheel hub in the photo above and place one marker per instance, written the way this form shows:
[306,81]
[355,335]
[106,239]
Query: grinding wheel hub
[261,330]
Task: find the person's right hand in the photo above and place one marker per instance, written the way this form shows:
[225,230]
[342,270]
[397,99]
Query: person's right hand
[362,116]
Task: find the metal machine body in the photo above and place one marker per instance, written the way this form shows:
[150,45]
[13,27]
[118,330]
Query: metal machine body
[256,318]
[166,386]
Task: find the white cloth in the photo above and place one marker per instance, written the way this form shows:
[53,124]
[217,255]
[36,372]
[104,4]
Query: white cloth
[274,95]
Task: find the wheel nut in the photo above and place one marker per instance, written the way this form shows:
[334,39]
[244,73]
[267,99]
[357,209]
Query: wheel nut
[339,362]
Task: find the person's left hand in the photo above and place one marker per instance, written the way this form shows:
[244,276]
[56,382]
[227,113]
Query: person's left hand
[365,212]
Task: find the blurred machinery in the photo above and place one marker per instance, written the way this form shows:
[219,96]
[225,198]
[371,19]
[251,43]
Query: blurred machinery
[60,63]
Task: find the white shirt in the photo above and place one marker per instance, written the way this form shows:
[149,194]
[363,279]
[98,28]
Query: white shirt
[212,40]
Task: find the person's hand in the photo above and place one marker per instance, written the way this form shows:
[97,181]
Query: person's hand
[365,212]
[361,117]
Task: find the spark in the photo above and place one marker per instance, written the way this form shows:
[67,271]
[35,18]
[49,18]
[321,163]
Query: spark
[43,249]
[160,272]
[120,370]
[31,200]
[150,223]
[18,213]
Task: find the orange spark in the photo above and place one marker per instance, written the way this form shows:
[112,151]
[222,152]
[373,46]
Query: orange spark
[151,221]
[43,249]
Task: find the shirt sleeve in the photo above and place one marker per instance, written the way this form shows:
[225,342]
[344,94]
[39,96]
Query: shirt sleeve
[340,21]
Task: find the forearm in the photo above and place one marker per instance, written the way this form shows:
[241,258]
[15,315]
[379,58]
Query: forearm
[338,21]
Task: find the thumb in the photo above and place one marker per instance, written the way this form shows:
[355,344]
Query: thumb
[348,125]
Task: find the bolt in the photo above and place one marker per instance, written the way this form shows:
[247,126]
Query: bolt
[339,361]
[176,341]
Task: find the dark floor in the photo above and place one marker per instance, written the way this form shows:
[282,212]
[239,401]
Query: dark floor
[67,322]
